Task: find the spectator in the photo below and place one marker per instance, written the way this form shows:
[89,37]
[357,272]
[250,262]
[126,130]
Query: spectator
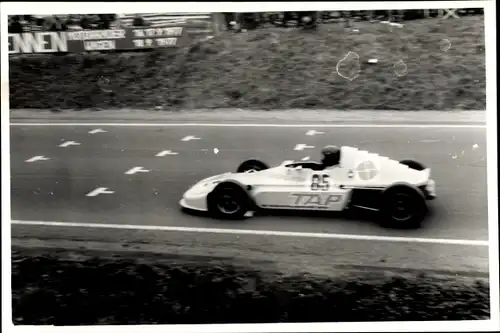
[249,21]
[307,20]
[105,20]
[39,21]
[73,26]
[88,22]
[117,22]
[85,22]
[15,27]
[57,24]
[288,16]
[229,18]
[139,21]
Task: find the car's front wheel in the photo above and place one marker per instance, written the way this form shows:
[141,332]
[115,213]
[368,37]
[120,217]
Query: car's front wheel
[229,201]
[402,206]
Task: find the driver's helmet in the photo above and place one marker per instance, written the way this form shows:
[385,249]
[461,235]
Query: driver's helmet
[331,156]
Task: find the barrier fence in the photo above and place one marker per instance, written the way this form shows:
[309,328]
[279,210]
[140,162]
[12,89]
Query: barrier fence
[161,30]
[96,40]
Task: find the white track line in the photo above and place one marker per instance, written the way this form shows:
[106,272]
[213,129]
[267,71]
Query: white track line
[250,125]
[256,232]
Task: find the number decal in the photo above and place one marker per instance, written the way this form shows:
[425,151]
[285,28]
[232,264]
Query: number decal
[320,183]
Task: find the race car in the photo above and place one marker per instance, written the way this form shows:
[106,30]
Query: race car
[397,190]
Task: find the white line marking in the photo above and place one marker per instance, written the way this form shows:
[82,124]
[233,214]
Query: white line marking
[429,141]
[302,146]
[97,130]
[305,158]
[166,152]
[252,125]
[189,138]
[395,24]
[313,132]
[99,190]
[256,232]
[69,143]
[37,158]
[135,170]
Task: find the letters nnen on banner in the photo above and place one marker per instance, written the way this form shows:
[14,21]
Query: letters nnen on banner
[95,40]
[39,42]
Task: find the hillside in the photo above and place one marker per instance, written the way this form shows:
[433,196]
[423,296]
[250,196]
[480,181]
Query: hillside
[429,64]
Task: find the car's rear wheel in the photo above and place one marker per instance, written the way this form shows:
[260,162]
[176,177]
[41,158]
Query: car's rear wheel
[229,201]
[413,165]
[252,165]
[402,206]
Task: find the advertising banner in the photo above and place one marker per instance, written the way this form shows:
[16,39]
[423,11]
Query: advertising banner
[129,38]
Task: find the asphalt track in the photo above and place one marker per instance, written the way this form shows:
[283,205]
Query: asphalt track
[56,190]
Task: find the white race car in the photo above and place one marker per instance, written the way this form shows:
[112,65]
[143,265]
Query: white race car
[397,190]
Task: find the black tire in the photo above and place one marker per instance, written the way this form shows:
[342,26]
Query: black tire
[252,164]
[413,165]
[228,201]
[402,206]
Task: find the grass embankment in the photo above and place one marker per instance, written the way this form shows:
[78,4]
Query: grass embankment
[54,289]
[273,68]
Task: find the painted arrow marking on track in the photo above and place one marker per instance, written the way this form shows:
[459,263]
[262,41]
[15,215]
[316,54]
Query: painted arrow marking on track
[189,138]
[135,170]
[69,143]
[302,146]
[313,132]
[99,190]
[97,130]
[37,158]
[166,152]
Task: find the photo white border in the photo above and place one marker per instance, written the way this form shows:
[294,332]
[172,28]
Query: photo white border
[48,8]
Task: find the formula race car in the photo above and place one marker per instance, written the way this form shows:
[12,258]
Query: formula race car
[396,190]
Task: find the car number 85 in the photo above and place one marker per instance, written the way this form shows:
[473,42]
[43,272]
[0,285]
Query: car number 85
[320,183]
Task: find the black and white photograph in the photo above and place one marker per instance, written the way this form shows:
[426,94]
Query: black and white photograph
[298,166]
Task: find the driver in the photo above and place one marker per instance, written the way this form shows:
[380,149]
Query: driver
[331,156]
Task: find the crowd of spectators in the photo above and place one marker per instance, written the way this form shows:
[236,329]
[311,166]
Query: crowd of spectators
[233,21]
[28,23]
[238,21]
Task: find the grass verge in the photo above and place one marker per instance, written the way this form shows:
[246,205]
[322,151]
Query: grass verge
[68,288]
[431,64]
